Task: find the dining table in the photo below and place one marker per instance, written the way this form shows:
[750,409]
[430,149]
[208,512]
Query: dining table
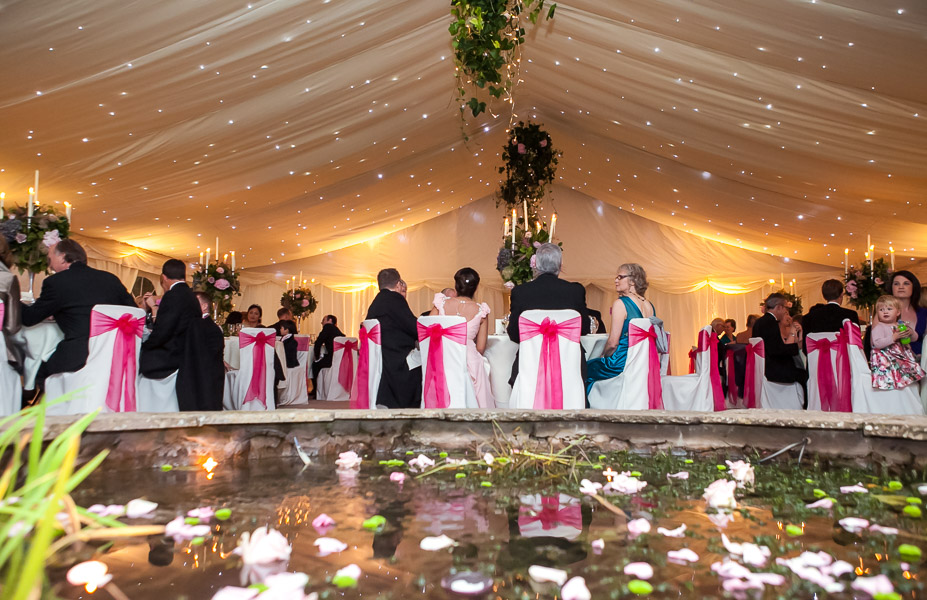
[40,342]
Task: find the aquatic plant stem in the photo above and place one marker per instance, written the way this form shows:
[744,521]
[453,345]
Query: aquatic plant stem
[85,535]
[610,506]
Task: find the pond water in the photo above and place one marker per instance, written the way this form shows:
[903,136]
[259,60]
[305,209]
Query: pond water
[508,517]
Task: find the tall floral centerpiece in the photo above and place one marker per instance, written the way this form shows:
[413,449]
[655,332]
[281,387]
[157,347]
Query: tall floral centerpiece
[300,302]
[530,165]
[30,235]
[866,282]
[219,281]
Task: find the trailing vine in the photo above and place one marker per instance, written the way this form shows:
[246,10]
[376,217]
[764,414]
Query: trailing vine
[486,36]
[530,165]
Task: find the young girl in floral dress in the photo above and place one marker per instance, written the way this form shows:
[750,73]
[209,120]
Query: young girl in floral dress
[892,362]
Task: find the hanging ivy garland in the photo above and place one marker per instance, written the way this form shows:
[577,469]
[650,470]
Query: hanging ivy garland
[530,165]
[486,37]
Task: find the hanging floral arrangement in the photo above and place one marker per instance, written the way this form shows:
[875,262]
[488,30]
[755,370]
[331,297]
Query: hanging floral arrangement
[864,284]
[792,302]
[486,36]
[530,166]
[220,283]
[299,301]
[516,259]
[31,237]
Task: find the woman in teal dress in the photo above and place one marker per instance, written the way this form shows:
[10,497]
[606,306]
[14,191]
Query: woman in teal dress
[631,284]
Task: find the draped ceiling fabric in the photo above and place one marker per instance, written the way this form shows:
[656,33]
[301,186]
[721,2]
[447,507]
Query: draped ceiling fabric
[295,129]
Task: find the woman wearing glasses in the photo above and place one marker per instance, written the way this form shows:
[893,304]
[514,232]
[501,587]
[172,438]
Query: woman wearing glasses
[630,283]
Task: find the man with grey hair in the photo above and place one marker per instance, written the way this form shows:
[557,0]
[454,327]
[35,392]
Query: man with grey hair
[781,366]
[547,292]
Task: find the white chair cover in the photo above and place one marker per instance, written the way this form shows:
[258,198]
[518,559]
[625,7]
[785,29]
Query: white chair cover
[450,376]
[331,381]
[533,349]
[230,390]
[905,401]
[251,393]
[770,395]
[822,372]
[109,378]
[293,391]
[369,366]
[10,390]
[635,388]
[158,395]
[695,391]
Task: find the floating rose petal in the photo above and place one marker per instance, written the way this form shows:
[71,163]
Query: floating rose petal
[922,489]
[679,475]
[675,533]
[138,508]
[547,574]
[347,577]
[263,546]
[742,472]
[575,589]
[625,484]
[682,556]
[822,503]
[92,574]
[204,512]
[721,519]
[323,523]
[284,584]
[640,570]
[348,460]
[720,494]
[854,524]
[751,554]
[236,593]
[397,476]
[638,526]
[467,583]
[883,530]
[817,568]
[329,546]
[880,584]
[598,545]
[853,489]
[590,488]
[440,542]
[179,530]
[421,462]
[112,510]
[488,458]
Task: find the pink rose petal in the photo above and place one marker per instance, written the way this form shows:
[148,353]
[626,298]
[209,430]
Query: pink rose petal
[638,526]
[323,523]
[674,533]
[684,555]
[640,570]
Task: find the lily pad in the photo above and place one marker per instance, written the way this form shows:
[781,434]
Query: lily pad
[410,453]
[794,530]
[486,483]
[167,468]
[912,511]
[895,485]
[909,551]
[819,493]
[689,461]
[887,596]
[197,541]
[374,522]
[639,587]
[224,514]
[722,467]
[635,473]
[811,481]
[913,500]
[344,581]
[442,454]
[460,475]
[192,521]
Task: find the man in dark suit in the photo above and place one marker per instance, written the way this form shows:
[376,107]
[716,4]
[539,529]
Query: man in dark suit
[69,296]
[781,366]
[400,387]
[283,314]
[202,375]
[326,340]
[828,318]
[175,315]
[547,292]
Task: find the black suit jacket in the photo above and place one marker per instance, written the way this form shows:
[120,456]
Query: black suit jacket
[201,379]
[826,318]
[69,297]
[547,292]
[163,352]
[326,339]
[780,357]
[400,387]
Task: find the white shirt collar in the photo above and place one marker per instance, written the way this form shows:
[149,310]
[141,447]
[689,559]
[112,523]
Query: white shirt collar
[173,284]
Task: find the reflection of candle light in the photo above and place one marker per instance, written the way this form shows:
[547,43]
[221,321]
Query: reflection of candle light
[91,588]
[553,226]
[209,464]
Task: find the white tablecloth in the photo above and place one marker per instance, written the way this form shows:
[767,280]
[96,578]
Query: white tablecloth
[41,341]
[500,352]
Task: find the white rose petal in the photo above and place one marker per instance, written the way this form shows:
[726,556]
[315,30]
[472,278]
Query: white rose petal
[547,574]
[440,542]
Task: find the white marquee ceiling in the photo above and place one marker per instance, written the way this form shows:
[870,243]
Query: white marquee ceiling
[293,128]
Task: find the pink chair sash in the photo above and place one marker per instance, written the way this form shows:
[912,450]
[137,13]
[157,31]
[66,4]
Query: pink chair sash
[302,344]
[707,341]
[751,385]
[434,388]
[828,389]
[692,354]
[849,335]
[123,371]
[257,388]
[549,392]
[346,372]
[2,313]
[637,335]
[360,398]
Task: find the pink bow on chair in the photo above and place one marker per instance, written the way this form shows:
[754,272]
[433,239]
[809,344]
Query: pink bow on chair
[846,337]
[2,313]
[831,394]
[549,392]
[636,335]
[552,514]
[692,354]
[750,382]
[302,344]
[346,371]
[360,395]
[257,388]
[123,371]
[434,388]
[709,342]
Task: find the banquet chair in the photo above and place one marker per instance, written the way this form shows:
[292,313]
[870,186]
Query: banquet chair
[700,391]
[443,343]
[865,398]
[369,366]
[254,383]
[10,386]
[665,368]
[337,381]
[733,391]
[543,381]
[639,386]
[293,390]
[304,355]
[109,378]
[824,391]
[768,394]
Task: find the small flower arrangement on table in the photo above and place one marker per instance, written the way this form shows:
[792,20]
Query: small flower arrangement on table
[299,301]
[31,237]
[516,259]
[864,284]
[220,283]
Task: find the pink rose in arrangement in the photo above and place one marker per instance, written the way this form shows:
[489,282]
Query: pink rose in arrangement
[20,238]
[521,149]
[878,281]
[220,270]
[508,285]
[543,143]
[305,303]
[51,238]
[533,263]
[222,284]
[211,280]
[537,244]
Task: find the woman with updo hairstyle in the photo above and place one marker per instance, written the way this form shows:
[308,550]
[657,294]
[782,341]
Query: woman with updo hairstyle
[905,286]
[466,281]
[630,283]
